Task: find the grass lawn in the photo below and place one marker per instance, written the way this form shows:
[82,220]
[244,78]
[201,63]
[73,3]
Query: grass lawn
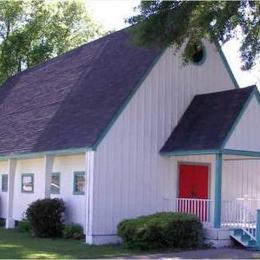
[20,245]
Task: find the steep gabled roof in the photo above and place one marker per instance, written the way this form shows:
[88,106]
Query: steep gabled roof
[68,101]
[206,123]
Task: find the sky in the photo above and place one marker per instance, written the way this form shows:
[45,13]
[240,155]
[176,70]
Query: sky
[112,14]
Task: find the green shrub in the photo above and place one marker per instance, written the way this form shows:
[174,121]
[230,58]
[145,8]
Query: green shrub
[24,226]
[46,217]
[161,230]
[73,231]
[2,222]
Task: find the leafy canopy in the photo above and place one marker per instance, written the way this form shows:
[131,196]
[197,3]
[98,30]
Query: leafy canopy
[33,31]
[177,22]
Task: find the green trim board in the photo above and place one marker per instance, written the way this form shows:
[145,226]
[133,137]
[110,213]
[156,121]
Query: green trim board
[31,177]
[258,229]
[241,152]
[206,152]
[255,93]
[4,182]
[69,151]
[76,175]
[190,152]
[55,187]
[226,64]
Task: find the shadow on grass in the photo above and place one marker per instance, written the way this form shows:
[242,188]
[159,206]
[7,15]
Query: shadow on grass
[20,245]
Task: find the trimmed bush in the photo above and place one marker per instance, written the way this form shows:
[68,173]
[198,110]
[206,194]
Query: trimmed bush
[161,230]
[24,226]
[2,222]
[46,217]
[73,231]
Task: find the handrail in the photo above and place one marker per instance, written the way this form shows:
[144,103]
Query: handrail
[237,215]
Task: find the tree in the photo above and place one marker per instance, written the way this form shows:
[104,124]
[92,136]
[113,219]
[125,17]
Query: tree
[34,31]
[177,22]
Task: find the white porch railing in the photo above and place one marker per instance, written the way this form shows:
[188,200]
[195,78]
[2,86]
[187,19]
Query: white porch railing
[202,208]
[240,213]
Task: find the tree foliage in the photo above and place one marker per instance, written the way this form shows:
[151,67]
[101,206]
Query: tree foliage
[177,22]
[33,31]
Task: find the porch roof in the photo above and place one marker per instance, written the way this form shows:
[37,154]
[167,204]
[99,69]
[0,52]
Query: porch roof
[208,121]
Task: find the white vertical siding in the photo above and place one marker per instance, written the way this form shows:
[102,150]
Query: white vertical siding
[130,177]
[240,178]
[75,204]
[3,195]
[21,199]
[246,134]
[66,165]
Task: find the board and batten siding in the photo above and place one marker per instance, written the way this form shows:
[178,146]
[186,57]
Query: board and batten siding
[130,177]
[246,136]
[3,195]
[22,199]
[240,177]
[66,166]
[75,204]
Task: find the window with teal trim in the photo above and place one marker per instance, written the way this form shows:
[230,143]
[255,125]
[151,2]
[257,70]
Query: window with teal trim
[27,184]
[79,183]
[4,183]
[55,183]
[199,55]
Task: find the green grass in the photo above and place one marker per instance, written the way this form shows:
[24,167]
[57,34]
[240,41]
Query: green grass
[21,245]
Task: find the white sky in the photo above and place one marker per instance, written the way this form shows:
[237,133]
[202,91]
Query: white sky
[112,13]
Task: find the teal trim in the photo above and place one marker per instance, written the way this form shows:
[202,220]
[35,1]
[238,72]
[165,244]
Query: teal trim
[22,182]
[258,229]
[44,153]
[204,57]
[55,190]
[226,64]
[125,103]
[4,182]
[254,93]
[76,175]
[191,152]
[218,183]
[241,152]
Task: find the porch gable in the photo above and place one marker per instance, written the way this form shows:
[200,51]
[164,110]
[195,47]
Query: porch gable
[244,136]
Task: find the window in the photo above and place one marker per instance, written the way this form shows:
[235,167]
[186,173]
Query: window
[4,182]
[79,183]
[55,183]
[199,55]
[27,183]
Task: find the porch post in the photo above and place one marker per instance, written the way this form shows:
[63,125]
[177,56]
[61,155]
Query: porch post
[89,198]
[218,183]
[258,229]
[10,223]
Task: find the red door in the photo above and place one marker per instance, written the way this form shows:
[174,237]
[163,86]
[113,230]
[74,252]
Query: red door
[193,184]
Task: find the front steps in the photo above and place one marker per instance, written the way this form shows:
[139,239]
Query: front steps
[243,237]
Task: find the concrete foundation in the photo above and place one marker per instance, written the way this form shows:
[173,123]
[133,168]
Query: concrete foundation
[217,237]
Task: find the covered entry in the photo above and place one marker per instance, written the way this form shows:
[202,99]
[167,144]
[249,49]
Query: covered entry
[221,129]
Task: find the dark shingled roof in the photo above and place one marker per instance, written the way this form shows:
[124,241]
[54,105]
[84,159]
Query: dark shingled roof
[68,101]
[207,121]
